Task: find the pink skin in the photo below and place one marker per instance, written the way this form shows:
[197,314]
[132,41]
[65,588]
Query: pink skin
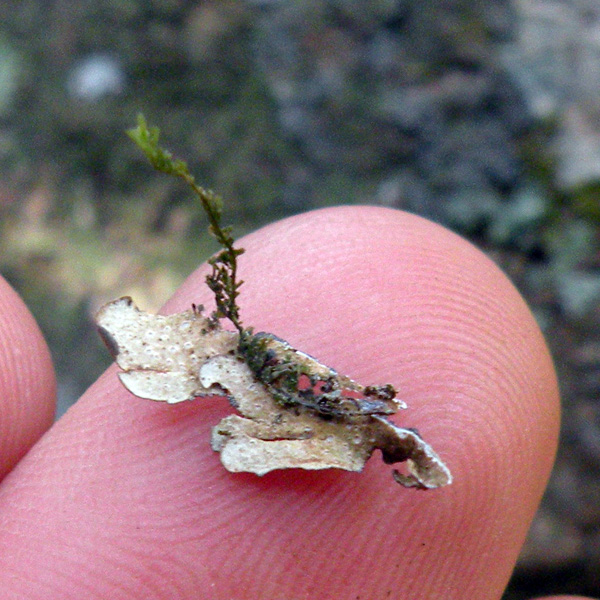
[123,498]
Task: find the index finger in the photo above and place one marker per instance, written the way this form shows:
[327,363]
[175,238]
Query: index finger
[381,296]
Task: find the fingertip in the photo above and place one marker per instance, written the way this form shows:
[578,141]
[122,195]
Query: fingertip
[383,295]
[27,385]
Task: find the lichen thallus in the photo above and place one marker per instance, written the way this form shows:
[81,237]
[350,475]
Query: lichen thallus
[291,410]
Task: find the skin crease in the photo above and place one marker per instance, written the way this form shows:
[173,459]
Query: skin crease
[123,498]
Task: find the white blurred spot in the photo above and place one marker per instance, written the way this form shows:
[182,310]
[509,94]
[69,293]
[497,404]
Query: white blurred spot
[96,76]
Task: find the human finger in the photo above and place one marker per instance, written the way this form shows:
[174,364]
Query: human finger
[27,385]
[383,297]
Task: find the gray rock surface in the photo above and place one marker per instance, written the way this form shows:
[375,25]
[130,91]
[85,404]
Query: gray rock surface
[555,60]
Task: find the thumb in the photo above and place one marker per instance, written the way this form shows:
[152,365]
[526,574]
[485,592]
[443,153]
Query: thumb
[27,386]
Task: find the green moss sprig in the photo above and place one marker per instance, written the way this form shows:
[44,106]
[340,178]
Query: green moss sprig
[223,278]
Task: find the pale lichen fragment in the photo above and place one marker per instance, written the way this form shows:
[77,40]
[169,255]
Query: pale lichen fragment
[270,437]
[178,357]
[161,355]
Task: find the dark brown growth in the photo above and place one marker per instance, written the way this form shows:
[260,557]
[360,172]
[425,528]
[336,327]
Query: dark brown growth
[295,378]
[109,342]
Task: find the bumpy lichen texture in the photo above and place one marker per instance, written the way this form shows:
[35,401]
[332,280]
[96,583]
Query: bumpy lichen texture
[329,421]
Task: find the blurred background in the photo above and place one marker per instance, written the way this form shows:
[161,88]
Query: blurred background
[483,116]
